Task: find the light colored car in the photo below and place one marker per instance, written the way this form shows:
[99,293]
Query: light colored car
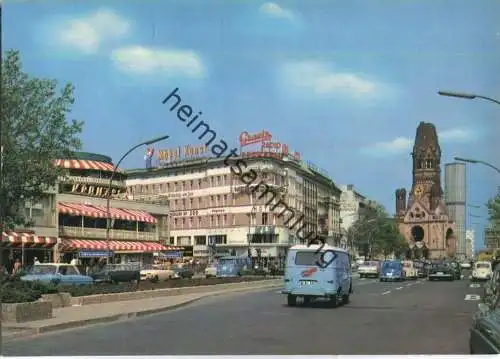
[157,272]
[369,269]
[410,270]
[211,271]
[482,271]
[57,273]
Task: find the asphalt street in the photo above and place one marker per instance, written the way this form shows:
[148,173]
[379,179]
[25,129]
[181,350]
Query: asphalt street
[413,317]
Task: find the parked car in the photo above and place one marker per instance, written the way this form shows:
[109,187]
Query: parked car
[57,273]
[117,273]
[441,270]
[369,269]
[485,329]
[157,272]
[183,273]
[211,271]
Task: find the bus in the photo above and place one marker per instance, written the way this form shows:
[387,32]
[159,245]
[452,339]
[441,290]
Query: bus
[232,266]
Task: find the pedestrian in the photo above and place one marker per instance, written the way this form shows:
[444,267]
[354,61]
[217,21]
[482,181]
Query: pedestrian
[17,266]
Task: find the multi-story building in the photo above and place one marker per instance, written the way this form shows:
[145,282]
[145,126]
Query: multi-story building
[353,206]
[491,238]
[455,194]
[470,243]
[216,211]
[71,220]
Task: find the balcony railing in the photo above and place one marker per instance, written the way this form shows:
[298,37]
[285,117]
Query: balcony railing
[100,233]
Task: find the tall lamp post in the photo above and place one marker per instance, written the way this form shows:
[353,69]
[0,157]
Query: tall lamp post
[108,199]
[467,96]
[470,160]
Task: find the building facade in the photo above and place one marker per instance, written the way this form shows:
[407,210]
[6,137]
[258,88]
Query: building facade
[470,243]
[71,220]
[455,198]
[353,206]
[219,212]
[491,238]
[424,221]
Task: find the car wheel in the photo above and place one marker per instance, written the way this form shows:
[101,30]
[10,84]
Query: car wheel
[291,300]
[155,279]
[345,299]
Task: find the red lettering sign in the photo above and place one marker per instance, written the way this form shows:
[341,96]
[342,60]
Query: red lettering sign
[248,139]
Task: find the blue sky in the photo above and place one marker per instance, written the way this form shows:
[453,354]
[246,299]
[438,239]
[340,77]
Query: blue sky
[343,82]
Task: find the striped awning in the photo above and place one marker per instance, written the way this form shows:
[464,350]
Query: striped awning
[75,244]
[86,165]
[27,239]
[128,214]
[98,211]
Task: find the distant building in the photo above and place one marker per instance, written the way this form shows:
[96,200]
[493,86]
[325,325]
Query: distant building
[470,243]
[353,205]
[455,194]
[491,238]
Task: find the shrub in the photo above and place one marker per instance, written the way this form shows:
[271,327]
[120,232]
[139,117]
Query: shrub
[18,291]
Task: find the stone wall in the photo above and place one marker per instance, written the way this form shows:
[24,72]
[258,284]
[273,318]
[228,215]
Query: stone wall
[26,312]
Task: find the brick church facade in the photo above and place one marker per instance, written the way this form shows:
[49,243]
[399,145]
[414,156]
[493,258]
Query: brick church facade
[422,216]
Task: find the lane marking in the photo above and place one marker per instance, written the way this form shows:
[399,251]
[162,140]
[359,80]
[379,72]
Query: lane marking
[386,292]
[474,285]
[399,288]
[409,284]
[472,297]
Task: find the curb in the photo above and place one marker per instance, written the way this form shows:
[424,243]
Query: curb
[28,332]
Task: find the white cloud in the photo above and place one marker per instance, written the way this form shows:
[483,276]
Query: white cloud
[143,60]
[274,10]
[401,144]
[456,135]
[88,33]
[322,80]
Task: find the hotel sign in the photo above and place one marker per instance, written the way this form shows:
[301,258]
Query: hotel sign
[96,191]
[249,139]
[182,153]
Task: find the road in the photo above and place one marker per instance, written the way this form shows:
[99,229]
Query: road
[414,317]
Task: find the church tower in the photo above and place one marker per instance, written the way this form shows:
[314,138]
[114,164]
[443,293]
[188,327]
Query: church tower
[423,220]
[426,184]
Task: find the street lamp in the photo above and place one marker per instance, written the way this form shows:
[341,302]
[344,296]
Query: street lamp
[470,160]
[108,199]
[467,96]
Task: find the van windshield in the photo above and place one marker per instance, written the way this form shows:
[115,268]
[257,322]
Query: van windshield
[310,258]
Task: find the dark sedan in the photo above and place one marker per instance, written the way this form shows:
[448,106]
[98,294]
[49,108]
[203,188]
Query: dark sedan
[183,273]
[441,271]
[117,273]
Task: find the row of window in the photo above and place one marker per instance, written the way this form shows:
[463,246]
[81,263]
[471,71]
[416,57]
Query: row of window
[221,221]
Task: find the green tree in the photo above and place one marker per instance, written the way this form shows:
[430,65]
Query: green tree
[376,233]
[35,132]
[493,206]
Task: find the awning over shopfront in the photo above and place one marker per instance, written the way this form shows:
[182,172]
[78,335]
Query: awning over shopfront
[18,239]
[115,246]
[85,165]
[98,211]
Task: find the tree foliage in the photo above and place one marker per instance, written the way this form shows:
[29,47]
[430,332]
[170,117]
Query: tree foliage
[493,206]
[35,132]
[375,234]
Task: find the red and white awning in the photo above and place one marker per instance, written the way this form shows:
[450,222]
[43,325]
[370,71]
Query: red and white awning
[27,239]
[98,211]
[115,246]
[86,165]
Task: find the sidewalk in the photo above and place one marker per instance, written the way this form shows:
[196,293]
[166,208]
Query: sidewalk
[80,316]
